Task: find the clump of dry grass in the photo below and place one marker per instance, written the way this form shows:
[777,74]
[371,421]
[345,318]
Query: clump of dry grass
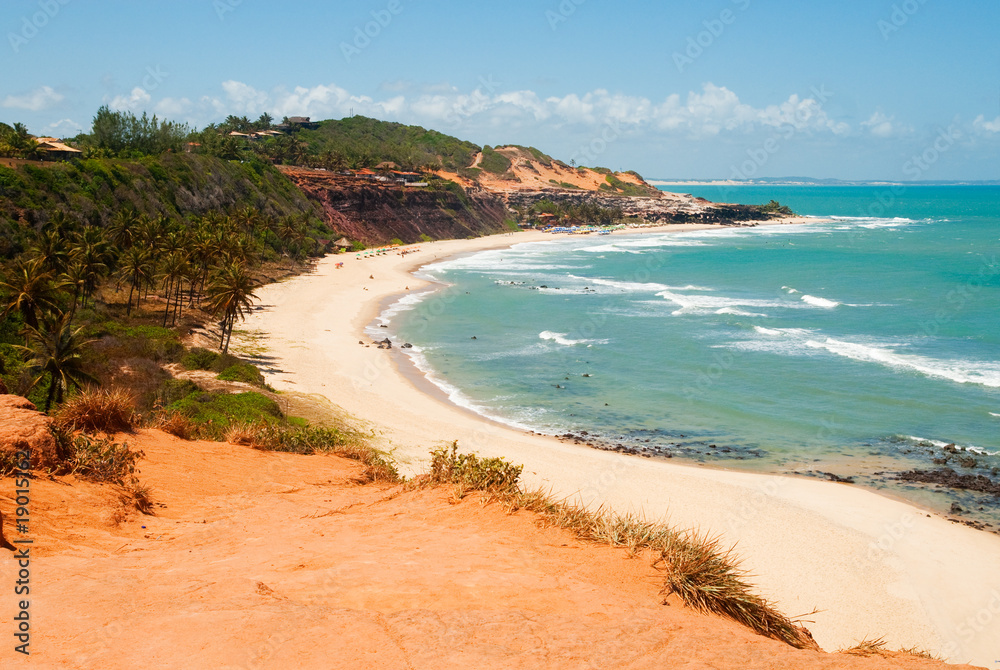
[866,647]
[307,440]
[176,424]
[708,577]
[137,495]
[696,568]
[877,647]
[104,410]
[102,460]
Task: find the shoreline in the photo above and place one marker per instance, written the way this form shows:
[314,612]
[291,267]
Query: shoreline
[893,566]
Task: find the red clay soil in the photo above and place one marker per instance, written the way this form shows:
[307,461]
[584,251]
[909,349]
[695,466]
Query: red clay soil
[264,560]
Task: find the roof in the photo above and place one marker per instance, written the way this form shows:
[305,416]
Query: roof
[52,144]
[343,242]
[298,119]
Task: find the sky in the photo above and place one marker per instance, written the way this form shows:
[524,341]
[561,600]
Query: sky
[857,89]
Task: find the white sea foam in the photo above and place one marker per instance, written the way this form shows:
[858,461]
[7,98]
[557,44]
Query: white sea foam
[790,290]
[453,393]
[707,304]
[637,287]
[971,448]
[820,302]
[737,312]
[959,371]
[563,339]
[994,414]
[798,341]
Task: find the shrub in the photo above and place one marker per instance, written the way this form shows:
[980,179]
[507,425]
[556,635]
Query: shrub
[177,425]
[493,475]
[102,460]
[173,390]
[214,413]
[242,372]
[200,359]
[107,410]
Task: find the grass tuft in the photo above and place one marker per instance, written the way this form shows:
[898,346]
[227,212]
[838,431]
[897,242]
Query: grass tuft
[138,495]
[708,578]
[866,647]
[102,460]
[695,566]
[104,410]
[176,424]
[308,440]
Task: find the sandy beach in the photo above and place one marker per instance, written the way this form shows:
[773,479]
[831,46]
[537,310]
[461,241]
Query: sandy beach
[869,566]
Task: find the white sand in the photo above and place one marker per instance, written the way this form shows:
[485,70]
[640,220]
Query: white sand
[871,565]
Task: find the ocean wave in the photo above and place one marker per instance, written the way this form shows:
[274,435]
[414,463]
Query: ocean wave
[406,303]
[563,339]
[737,312]
[638,287]
[958,371]
[820,302]
[940,444]
[800,341]
[454,394]
[708,304]
[790,290]
[994,414]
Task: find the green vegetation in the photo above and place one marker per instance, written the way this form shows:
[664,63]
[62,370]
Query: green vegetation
[775,207]
[242,372]
[101,459]
[494,162]
[16,142]
[126,135]
[216,412]
[359,142]
[584,213]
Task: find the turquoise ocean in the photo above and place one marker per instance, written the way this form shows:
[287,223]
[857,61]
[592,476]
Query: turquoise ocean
[862,347]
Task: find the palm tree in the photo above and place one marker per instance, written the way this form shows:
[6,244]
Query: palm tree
[231,295]
[57,353]
[172,272]
[124,228]
[95,257]
[136,267]
[31,290]
[50,247]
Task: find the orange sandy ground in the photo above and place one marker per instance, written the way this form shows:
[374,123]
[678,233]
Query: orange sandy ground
[264,560]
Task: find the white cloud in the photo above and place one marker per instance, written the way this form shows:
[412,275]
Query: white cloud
[882,126]
[37,100]
[63,128]
[134,101]
[711,111]
[982,125]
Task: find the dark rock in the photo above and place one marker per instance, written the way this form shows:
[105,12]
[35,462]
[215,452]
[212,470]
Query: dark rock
[407,346]
[956,508]
[949,478]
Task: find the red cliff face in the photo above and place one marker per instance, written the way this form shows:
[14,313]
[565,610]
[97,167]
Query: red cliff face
[376,213]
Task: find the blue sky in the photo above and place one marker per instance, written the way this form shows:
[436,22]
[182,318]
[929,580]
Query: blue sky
[893,90]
